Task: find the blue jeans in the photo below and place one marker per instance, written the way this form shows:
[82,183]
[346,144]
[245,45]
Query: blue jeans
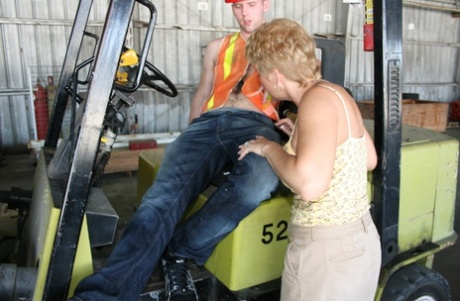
[188,166]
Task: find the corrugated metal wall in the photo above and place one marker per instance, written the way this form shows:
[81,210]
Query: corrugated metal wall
[431,43]
[34,36]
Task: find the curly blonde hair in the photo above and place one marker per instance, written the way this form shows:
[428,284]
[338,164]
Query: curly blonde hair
[283,44]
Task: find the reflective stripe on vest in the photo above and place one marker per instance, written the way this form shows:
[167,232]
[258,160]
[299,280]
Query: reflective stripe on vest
[229,56]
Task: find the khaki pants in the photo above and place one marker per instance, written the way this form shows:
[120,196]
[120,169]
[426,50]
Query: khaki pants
[339,263]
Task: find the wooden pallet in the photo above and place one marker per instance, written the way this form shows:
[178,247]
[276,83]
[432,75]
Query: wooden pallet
[123,160]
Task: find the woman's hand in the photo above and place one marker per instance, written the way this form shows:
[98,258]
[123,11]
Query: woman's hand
[256,146]
[286,125]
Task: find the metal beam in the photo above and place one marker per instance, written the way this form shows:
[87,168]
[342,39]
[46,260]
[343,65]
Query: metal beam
[87,142]
[70,61]
[388,71]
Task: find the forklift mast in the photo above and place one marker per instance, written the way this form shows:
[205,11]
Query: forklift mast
[387,137]
[86,136]
[78,164]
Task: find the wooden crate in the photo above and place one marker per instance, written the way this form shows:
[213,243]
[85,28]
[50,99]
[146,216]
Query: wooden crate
[123,160]
[421,113]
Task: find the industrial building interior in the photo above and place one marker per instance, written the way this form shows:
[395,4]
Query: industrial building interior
[77,154]
[17,168]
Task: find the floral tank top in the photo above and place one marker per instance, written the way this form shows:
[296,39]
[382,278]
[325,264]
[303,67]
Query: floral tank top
[345,199]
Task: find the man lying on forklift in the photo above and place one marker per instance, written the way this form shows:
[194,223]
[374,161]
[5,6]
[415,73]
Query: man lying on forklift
[229,108]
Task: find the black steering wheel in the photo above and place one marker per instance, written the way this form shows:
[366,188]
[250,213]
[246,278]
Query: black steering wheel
[149,80]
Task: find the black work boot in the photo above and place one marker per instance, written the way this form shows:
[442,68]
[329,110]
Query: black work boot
[178,279]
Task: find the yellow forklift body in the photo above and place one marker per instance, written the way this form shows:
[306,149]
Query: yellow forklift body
[253,253]
[44,217]
[428,181]
[429,163]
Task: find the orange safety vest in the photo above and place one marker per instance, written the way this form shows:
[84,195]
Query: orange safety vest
[231,67]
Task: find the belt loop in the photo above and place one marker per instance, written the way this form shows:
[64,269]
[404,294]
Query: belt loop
[364,225]
[364,221]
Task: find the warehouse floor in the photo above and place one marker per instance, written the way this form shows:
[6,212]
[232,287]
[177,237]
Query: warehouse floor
[17,169]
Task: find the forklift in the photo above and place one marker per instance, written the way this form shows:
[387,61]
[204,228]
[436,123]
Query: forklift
[67,214]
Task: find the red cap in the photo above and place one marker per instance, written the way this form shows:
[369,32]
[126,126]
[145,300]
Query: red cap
[232,1]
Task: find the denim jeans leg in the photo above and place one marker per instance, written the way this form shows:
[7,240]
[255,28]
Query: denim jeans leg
[251,181]
[184,172]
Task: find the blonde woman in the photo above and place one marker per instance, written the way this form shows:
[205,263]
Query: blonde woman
[334,251]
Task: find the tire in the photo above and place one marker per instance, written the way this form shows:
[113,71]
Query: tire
[416,283]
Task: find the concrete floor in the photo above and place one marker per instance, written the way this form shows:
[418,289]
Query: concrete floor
[17,169]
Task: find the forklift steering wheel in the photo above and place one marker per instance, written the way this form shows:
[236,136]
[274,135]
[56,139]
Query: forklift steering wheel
[149,80]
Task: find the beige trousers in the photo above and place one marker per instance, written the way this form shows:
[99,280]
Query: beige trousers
[332,263]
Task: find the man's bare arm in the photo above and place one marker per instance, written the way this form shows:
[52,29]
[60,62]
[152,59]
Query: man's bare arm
[206,81]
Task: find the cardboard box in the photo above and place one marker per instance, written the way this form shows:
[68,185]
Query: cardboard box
[421,113]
